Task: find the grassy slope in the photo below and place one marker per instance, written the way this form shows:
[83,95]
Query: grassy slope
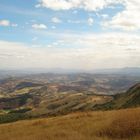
[129,99]
[108,125]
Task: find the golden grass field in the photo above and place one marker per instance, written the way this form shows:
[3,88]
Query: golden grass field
[107,125]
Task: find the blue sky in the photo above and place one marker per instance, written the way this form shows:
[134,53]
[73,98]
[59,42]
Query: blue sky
[75,34]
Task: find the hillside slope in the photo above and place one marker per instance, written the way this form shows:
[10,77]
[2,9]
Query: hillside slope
[24,98]
[108,125]
[130,98]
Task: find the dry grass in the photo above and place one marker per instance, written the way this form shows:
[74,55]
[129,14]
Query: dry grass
[110,125]
[125,124]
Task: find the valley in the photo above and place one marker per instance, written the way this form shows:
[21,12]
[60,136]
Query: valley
[70,107]
[46,95]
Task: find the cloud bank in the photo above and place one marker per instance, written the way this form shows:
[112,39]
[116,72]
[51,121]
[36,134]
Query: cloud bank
[127,19]
[93,51]
[90,5]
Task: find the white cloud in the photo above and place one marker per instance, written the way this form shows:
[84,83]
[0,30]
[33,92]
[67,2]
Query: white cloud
[90,5]
[14,25]
[128,19]
[39,26]
[4,22]
[90,21]
[105,16]
[89,51]
[56,20]
[75,21]
[7,23]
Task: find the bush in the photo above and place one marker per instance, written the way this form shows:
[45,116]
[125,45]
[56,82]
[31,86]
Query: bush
[12,117]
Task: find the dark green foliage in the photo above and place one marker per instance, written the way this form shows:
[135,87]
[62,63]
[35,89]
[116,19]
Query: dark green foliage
[24,110]
[14,102]
[12,117]
[129,99]
[26,84]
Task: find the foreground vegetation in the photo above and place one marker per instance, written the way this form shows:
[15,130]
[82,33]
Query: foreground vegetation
[107,125]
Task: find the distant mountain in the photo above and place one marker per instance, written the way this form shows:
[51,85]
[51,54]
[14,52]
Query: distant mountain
[126,70]
[130,98]
[12,73]
[123,71]
[131,70]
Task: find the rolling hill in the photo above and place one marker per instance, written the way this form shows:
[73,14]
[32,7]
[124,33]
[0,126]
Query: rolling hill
[48,95]
[129,99]
[59,107]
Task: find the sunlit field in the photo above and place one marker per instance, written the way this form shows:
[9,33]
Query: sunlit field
[107,125]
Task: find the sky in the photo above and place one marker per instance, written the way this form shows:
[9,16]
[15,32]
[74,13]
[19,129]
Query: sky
[69,34]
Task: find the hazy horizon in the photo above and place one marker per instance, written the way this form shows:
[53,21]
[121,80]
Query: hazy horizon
[123,70]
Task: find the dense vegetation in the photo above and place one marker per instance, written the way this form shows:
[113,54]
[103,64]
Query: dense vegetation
[12,117]
[129,99]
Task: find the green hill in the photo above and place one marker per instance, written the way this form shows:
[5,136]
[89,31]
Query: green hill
[129,99]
